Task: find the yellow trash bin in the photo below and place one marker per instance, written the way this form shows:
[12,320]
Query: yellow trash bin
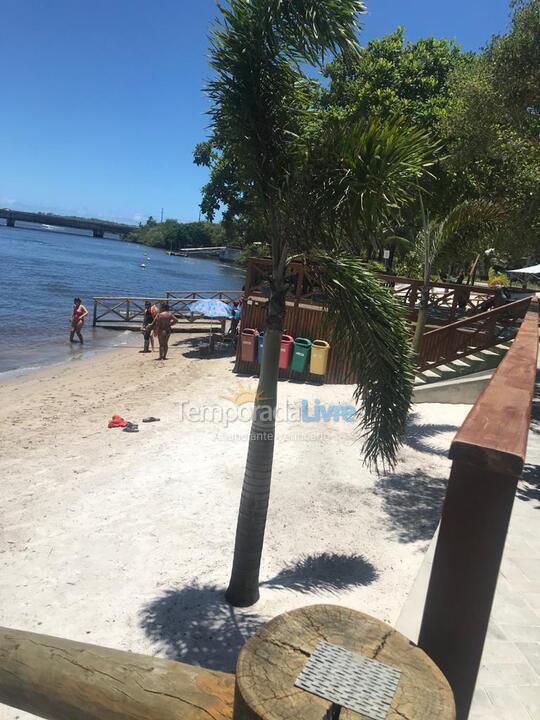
[319,357]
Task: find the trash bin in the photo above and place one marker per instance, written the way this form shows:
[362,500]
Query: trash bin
[260,343]
[319,357]
[287,342]
[300,357]
[249,345]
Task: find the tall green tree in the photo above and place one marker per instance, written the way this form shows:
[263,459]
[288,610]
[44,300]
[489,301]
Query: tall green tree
[394,77]
[493,128]
[311,209]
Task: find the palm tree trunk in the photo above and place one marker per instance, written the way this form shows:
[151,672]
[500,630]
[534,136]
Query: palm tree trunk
[421,323]
[243,587]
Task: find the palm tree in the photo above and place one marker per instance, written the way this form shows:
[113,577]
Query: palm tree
[472,217]
[319,197]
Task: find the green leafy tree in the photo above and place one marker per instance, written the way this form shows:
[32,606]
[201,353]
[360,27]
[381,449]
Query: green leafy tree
[394,77]
[264,121]
[492,129]
[172,235]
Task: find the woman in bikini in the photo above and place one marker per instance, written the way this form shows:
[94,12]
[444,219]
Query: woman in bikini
[77,320]
[162,324]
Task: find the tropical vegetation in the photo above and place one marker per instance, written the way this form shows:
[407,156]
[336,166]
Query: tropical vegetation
[173,235]
[416,148]
[483,109]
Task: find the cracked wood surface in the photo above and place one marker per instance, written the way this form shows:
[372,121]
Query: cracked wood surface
[272,659]
[65,680]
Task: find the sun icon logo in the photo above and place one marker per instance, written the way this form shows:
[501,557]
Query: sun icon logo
[243,395]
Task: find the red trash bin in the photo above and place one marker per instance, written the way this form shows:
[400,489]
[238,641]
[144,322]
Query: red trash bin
[287,343]
[248,341]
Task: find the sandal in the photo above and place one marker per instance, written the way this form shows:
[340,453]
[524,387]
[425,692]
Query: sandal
[150,419]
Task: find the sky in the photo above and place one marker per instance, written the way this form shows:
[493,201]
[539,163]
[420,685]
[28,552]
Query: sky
[102,102]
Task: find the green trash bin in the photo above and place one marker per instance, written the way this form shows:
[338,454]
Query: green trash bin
[301,353]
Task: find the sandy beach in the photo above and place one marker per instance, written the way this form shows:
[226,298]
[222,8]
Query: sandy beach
[126,539]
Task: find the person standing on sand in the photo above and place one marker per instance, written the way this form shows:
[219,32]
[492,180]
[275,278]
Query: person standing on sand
[154,310]
[162,324]
[146,328]
[77,320]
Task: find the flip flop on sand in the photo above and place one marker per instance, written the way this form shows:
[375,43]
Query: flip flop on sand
[131,427]
[150,419]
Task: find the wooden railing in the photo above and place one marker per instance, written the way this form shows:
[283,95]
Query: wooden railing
[488,454]
[65,680]
[129,310]
[189,296]
[447,301]
[470,335]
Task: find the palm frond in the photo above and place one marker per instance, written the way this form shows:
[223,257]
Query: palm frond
[368,324]
[364,173]
[471,219]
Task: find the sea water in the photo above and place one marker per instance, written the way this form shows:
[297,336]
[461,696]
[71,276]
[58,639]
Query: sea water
[41,271]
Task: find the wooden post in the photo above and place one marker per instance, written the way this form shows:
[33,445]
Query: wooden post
[488,455]
[63,680]
[95,313]
[127,310]
[272,659]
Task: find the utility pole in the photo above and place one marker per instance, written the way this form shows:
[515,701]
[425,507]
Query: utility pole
[161,214]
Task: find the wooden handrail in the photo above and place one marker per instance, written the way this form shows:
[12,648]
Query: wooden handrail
[501,310]
[467,336]
[65,680]
[494,435]
[487,454]
[400,280]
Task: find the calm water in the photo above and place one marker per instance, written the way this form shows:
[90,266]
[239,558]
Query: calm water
[41,271]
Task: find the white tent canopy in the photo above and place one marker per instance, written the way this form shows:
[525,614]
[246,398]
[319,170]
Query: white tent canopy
[532,270]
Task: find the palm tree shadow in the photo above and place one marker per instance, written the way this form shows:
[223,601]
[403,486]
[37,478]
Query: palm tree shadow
[529,484]
[413,503]
[196,625]
[325,573]
[419,434]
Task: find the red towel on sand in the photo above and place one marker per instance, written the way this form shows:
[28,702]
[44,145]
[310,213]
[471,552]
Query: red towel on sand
[117,421]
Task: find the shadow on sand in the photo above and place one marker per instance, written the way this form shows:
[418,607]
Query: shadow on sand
[413,503]
[529,485]
[196,625]
[419,434]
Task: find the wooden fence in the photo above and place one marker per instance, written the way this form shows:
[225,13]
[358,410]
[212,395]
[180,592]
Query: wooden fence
[113,311]
[447,301]
[302,319]
[470,335]
[65,680]
[488,454]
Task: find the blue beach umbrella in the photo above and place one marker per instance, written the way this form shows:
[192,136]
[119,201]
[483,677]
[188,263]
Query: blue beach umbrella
[211,308]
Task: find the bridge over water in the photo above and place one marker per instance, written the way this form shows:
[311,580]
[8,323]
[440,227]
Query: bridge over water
[98,227]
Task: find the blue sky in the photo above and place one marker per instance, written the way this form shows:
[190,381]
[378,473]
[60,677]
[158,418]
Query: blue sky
[102,101]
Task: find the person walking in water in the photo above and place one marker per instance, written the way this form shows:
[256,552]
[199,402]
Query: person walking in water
[77,320]
[162,324]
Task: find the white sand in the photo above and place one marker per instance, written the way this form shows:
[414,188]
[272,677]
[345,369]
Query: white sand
[126,539]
